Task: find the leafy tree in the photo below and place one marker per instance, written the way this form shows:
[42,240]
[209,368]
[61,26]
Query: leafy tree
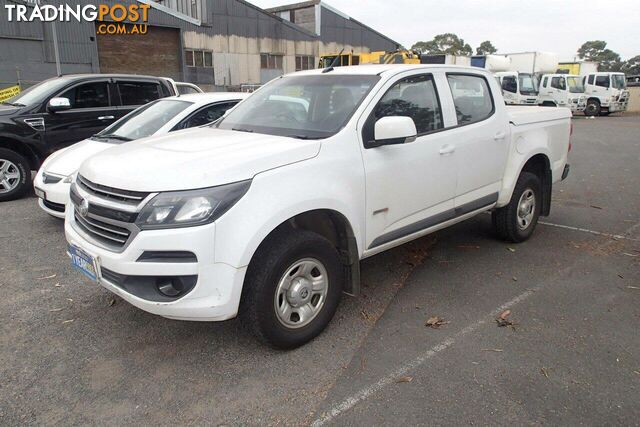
[632,66]
[596,50]
[486,48]
[444,43]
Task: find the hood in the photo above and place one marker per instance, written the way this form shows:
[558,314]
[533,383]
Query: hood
[194,158]
[67,161]
[8,110]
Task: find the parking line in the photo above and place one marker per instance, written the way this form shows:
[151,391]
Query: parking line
[363,394]
[586,230]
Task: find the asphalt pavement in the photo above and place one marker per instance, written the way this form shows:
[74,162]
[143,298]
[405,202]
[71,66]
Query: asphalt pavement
[71,353]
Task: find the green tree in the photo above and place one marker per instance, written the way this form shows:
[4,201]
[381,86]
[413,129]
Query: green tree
[596,50]
[486,48]
[444,43]
[632,66]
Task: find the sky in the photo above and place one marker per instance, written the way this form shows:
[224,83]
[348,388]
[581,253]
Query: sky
[511,25]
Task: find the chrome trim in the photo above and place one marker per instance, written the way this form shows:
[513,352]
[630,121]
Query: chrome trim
[119,206]
[99,191]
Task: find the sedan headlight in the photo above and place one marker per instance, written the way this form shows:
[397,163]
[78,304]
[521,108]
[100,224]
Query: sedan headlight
[190,208]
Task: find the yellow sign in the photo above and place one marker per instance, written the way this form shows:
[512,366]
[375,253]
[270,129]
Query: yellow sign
[9,92]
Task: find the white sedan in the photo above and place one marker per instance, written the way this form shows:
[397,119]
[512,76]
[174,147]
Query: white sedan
[165,115]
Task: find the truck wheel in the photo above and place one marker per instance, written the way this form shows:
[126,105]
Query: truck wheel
[516,221]
[15,175]
[593,108]
[292,289]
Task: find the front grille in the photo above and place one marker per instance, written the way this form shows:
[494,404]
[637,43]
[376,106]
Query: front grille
[103,232]
[58,207]
[109,193]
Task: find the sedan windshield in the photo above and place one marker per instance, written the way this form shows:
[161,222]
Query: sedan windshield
[528,84]
[143,122]
[575,84]
[305,107]
[618,81]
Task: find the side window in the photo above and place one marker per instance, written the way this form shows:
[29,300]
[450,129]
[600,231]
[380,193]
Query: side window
[138,93]
[544,82]
[590,79]
[207,115]
[413,97]
[510,84]
[88,95]
[471,97]
[602,81]
[558,83]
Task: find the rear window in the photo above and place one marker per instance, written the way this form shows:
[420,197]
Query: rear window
[138,93]
[471,97]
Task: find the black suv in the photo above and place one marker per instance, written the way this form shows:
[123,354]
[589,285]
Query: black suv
[61,111]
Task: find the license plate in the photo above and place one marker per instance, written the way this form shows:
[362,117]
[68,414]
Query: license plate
[40,193]
[85,263]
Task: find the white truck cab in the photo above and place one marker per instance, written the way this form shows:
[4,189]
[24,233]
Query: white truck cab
[606,93]
[518,88]
[268,212]
[562,90]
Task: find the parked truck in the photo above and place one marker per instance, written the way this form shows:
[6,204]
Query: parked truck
[580,68]
[520,83]
[562,90]
[606,93]
[267,213]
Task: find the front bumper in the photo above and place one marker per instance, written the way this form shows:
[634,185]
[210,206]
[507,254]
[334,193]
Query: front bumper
[216,294]
[56,196]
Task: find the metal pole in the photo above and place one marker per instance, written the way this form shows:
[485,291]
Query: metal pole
[55,48]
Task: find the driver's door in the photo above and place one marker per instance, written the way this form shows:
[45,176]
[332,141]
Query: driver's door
[411,186]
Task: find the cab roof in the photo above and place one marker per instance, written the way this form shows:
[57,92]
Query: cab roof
[378,69]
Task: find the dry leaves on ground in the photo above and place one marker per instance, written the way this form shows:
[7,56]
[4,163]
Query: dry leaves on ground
[435,322]
[503,319]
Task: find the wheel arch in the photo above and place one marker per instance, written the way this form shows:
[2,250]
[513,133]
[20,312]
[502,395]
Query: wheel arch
[537,162]
[22,149]
[335,227]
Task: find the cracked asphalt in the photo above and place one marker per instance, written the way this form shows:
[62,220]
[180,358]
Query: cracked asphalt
[72,354]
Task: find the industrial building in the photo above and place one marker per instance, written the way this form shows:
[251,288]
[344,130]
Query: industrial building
[217,44]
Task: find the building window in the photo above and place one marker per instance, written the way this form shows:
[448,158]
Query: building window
[198,58]
[271,61]
[305,62]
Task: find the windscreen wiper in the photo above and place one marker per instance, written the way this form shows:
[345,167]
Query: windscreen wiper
[113,136]
[13,104]
[302,137]
[242,130]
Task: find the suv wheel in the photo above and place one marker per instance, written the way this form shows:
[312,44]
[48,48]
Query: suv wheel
[15,175]
[593,108]
[516,221]
[292,289]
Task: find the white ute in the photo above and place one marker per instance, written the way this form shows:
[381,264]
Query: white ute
[269,212]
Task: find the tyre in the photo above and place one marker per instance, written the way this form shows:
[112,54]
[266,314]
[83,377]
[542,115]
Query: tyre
[516,221]
[15,175]
[292,289]
[593,108]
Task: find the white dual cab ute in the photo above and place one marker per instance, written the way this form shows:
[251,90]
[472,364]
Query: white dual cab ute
[268,212]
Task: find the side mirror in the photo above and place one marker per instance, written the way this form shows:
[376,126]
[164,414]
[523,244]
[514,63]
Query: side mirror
[58,104]
[392,130]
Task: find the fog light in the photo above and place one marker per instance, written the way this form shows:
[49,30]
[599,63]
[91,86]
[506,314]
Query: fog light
[171,287]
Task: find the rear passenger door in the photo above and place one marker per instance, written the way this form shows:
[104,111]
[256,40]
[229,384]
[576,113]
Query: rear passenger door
[408,186]
[481,141]
[134,93]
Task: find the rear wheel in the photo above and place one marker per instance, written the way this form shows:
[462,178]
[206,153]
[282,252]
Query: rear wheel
[593,108]
[15,175]
[516,221]
[292,289]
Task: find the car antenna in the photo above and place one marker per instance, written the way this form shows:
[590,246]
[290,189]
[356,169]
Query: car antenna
[330,67]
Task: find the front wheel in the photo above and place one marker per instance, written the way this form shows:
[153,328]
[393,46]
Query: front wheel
[516,221]
[15,175]
[593,108]
[292,289]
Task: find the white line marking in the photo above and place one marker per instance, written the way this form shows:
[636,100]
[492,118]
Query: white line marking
[363,394]
[586,230]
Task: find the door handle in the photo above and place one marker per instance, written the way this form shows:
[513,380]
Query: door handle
[500,135]
[106,118]
[447,149]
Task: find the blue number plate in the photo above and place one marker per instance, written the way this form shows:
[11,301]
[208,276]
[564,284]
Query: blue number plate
[85,263]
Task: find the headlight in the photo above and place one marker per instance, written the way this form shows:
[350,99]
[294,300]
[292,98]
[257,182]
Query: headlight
[190,208]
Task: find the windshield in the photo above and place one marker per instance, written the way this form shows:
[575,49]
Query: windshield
[306,107]
[143,122]
[618,81]
[575,84]
[528,84]
[37,94]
